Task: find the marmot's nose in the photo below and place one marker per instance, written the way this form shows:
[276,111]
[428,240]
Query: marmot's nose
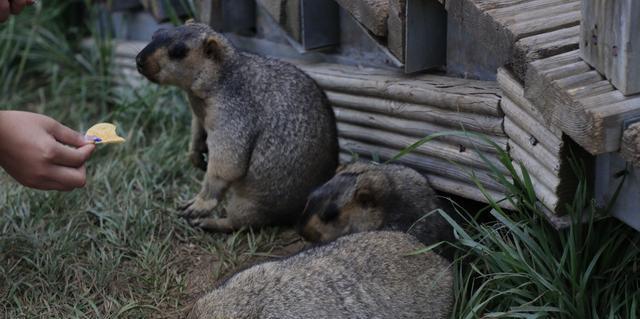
[139,62]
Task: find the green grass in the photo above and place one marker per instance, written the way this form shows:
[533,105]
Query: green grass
[519,266]
[117,250]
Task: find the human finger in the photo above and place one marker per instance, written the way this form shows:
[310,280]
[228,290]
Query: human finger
[17,6]
[67,136]
[68,176]
[71,157]
[5,10]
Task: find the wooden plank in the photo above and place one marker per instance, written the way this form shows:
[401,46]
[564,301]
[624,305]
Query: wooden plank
[483,34]
[539,177]
[514,91]
[554,9]
[414,128]
[449,118]
[630,148]
[432,166]
[543,45]
[479,97]
[538,133]
[610,41]
[441,183]
[433,149]
[477,45]
[523,138]
[593,118]
[370,13]
[544,24]
[396,28]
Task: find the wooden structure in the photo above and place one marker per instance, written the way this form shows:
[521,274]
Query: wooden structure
[610,39]
[546,102]
[484,35]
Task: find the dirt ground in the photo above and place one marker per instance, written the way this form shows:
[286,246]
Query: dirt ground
[204,271]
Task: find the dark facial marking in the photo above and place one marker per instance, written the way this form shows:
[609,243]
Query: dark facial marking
[330,213]
[178,51]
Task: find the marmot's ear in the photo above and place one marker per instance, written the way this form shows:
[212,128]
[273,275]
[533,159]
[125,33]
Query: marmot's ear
[365,196]
[190,21]
[369,188]
[211,48]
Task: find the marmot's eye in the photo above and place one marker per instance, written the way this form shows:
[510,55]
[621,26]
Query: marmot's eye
[178,51]
[331,212]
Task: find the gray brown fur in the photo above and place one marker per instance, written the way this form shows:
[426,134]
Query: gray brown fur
[364,275]
[266,127]
[367,196]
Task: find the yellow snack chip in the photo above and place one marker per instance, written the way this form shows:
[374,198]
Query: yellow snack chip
[104,133]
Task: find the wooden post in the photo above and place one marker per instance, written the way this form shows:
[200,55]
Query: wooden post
[610,41]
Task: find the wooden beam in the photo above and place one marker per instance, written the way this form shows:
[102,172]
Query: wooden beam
[487,34]
[630,149]
[396,28]
[415,128]
[469,96]
[610,39]
[539,145]
[428,114]
[435,149]
[372,14]
[428,165]
[570,95]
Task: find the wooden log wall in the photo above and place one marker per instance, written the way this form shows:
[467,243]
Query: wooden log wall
[381,112]
[540,146]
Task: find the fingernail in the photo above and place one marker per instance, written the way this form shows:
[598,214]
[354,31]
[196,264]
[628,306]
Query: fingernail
[92,139]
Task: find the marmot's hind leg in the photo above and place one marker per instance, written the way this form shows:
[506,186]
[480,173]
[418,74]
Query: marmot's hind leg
[240,212]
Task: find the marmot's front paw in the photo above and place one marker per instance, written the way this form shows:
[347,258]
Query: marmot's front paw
[197,159]
[198,207]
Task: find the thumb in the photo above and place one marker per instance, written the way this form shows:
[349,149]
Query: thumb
[68,136]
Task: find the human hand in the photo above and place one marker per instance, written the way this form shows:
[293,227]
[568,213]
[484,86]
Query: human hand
[8,7]
[34,151]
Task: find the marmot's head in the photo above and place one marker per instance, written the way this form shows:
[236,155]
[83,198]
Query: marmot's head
[185,56]
[352,201]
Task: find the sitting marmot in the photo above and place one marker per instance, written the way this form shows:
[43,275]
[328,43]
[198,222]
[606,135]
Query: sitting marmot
[266,128]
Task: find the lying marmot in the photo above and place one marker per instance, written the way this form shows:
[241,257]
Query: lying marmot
[367,196]
[364,275]
[266,128]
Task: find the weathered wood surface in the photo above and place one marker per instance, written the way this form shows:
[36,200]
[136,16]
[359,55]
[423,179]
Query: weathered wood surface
[478,97]
[433,149]
[460,176]
[630,149]
[580,101]
[540,146]
[487,34]
[372,14]
[610,38]
[287,14]
[452,119]
[415,128]
[396,28]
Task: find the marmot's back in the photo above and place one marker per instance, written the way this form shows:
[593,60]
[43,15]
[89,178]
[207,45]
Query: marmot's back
[365,275]
[297,147]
